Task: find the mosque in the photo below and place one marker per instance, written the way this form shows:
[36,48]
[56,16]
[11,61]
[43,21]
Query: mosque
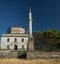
[16,37]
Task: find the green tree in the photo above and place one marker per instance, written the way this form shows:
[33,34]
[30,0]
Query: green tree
[50,33]
[58,41]
[37,33]
[49,37]
[38,36]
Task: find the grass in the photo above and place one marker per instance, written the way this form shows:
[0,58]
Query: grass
[23,61]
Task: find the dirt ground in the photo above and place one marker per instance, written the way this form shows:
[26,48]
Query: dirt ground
[23,61]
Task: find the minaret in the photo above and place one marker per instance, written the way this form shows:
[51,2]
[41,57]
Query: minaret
[30,41]
[30,22]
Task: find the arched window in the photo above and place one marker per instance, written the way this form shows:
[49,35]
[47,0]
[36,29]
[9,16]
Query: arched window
[15,40]
[22,40]
[8,40]
[22,46]
[15,47]
[7,46]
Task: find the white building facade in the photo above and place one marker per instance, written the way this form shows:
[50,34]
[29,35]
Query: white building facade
[15,39]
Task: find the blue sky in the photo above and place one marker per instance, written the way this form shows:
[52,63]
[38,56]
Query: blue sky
[46,14]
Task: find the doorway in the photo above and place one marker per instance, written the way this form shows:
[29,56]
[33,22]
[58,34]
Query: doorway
[15,47]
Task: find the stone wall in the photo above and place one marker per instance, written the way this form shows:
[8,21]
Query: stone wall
[28,55]
[12,54]
[37,55]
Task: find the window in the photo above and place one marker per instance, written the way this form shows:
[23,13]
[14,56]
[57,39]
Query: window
[15,40]
[22,40]
[7,46]
[8,40]
[22,46]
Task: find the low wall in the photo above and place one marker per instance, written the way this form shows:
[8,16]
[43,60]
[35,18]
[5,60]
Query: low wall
[28,55]
[36,55]
[12,54]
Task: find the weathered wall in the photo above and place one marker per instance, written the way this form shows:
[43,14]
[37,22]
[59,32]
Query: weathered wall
[28,55]
[11,54]
[36,55]
[12,42]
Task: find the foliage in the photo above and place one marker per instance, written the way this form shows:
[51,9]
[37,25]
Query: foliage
[37,33]
[58,41]
[47,40]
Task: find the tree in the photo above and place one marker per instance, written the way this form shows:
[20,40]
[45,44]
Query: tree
[47,40]
[50,33]
[58,41]
[49,37]
[37,33]
[38,38]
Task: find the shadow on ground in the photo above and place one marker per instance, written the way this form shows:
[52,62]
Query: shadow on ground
[22,56]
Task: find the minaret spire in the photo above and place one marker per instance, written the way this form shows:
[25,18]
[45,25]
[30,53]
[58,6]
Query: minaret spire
[30,22]
[29,9]
[30,41]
